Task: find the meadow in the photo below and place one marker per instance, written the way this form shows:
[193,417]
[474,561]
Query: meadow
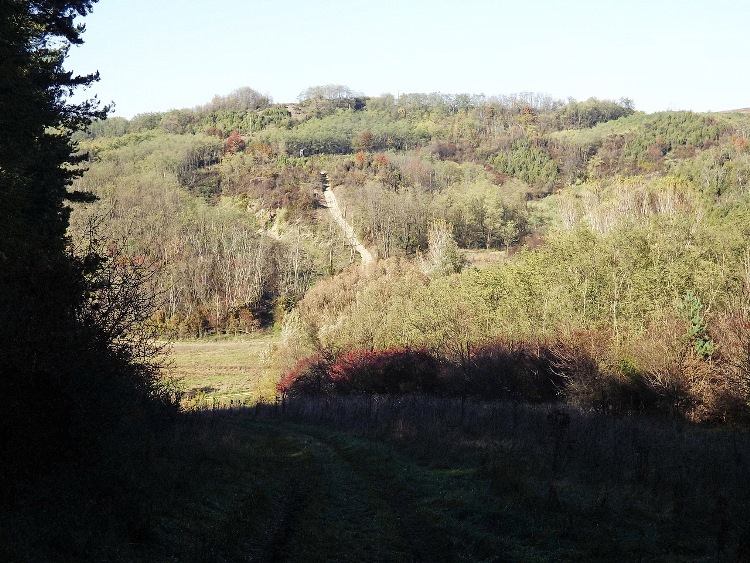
[224,371]
[409,478]
[415,477]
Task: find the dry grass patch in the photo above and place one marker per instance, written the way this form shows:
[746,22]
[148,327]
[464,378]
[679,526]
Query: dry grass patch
[224,371]
[485,258]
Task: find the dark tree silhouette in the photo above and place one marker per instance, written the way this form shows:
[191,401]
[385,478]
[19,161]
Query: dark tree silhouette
[65,382]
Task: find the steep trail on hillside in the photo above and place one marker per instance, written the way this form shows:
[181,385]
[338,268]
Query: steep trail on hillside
[333,206]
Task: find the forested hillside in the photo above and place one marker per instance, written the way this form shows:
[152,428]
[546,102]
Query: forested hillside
[555,332]
[536,347]
[226,195]
[619,236]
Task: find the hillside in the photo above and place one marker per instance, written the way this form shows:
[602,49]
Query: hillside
[622,236]
[423,327]
[582,395]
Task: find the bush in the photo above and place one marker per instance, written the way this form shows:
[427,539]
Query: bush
[513,370]
[528,160]
[595,376]
[395,370]
[657,370]
[308,377]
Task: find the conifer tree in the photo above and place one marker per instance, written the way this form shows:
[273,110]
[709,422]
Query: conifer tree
[63,372]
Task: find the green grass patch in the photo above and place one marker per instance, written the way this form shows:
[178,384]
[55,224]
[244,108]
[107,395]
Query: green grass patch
[219,372]
[258,485]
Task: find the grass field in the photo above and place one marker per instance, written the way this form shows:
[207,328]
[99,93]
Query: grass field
[386,478]
[225,371]
[400,479]
[484,258]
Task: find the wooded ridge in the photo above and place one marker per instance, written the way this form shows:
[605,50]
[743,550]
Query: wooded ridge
[610,222]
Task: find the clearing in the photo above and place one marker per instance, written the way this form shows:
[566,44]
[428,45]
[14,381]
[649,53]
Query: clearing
[225,371]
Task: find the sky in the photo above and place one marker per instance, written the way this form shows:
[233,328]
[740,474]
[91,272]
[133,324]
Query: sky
[154,56]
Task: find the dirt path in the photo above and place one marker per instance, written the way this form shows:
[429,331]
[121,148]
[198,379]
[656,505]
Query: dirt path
[333,206]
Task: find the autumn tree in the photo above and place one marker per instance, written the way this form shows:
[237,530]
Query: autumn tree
[234,143]
[443,256]
[325,99]
[328,92]
[242,99]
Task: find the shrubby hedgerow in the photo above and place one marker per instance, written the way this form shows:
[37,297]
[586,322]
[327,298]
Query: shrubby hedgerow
[395,370]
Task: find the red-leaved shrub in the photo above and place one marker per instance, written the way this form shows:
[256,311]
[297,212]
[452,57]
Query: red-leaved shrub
[395,370]
[308,377]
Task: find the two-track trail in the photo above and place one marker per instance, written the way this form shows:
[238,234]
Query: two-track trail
[350,499]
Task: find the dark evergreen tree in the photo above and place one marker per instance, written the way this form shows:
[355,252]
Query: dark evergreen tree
[66,377]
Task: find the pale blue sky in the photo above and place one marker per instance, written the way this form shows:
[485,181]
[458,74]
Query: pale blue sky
[664,54]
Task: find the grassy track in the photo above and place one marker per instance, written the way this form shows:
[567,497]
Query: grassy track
[387,479]
[255,485]
[311,494]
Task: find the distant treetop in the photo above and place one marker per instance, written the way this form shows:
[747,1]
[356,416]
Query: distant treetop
[242,99]
[328,92]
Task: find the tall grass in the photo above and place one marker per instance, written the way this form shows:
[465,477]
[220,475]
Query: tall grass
[685,483]
[398,478]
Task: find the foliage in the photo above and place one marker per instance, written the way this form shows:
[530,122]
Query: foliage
[326,99]
[244,110]
[308,376]
[525,160]
[234,143]
[79,367]
[397,197]
[394,370]
[670,130]
[341,131]
[36,122]
[690,308]
[622,282]
[244,98]
[583,115]
[443,257]
[720,172]
[586,369]
[646,208]
[225,227]
[497,369]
